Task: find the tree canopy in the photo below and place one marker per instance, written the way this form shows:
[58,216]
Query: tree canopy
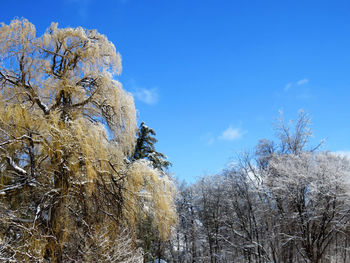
[67,129]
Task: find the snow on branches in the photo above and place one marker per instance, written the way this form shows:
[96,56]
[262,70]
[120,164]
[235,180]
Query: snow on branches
[67,128]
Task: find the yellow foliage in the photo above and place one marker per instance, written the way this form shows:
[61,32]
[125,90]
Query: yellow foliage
[67,129]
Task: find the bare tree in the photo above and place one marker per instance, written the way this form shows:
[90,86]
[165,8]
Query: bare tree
[285,202]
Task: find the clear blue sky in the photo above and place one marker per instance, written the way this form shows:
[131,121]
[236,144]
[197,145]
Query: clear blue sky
[211,76]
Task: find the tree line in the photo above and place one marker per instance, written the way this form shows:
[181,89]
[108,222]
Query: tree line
[283,202]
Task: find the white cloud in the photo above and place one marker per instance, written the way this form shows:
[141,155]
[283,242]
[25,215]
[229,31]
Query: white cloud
[288,86]
[231,134]
[148,96]
[208,138]
[302,82]
[291,85]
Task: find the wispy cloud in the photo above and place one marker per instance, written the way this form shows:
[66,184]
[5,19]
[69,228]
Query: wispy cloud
[149,96]
[302,82]
[208,138]
[288,86]
[231,134]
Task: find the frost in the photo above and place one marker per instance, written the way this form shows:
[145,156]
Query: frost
[59,99]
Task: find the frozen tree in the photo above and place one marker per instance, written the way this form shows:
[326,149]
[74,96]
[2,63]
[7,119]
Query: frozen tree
[100,247]
[188,240]
[66,130]
[284,202]
[313,201]
[211,195]
[148,234]
[293,138]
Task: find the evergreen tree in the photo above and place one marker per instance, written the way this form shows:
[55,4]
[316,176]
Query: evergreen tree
[152,244]
[145,148]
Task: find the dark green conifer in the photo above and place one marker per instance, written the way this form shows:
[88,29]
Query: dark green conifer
[145,148]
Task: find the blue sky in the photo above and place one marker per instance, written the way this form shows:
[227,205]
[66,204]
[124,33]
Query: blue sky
[211,76]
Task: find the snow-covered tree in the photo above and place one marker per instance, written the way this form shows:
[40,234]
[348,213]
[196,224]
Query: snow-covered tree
[149,236]
[312,197]
[284,202]
[66,130]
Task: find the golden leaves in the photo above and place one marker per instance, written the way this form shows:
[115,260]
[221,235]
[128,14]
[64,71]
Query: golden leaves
[77,126]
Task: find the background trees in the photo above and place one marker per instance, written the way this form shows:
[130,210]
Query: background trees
[67,131]
[285,202]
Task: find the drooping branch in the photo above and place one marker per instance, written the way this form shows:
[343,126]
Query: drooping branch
[15,167]
[32,94]
[12,188]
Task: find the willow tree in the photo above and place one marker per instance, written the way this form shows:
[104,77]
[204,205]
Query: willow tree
[67,129]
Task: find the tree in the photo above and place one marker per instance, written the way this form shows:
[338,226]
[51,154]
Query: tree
[66,130]
[293,138]
[307,194]
[187,238]
[313,201]
[145,148]
[152,243]
[284,202]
